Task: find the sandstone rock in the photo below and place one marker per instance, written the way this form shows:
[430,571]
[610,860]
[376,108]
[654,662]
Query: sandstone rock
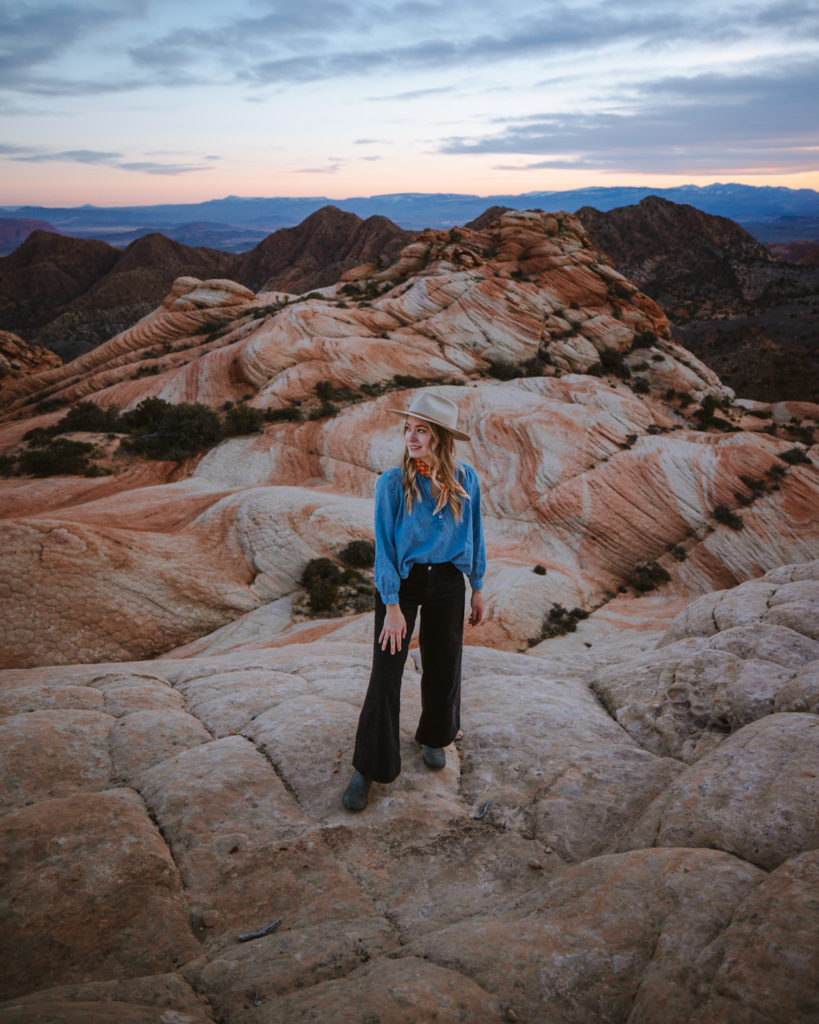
[130,1000]
[765,964]
[52,754]
[722,664]
[549,759]
[145,738]
[92,892]
[613,938]
[403,991]
[754,796]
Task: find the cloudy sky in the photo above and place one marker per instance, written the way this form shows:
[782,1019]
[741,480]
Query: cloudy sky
[131,101]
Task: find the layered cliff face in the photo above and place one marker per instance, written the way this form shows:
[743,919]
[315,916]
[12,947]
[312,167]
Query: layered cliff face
[631,804]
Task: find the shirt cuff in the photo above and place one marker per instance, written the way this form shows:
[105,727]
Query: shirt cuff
[389,598]
[476,584]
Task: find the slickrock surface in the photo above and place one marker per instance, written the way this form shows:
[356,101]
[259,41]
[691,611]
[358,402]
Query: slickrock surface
[18,358]
[625,831]
[556,869]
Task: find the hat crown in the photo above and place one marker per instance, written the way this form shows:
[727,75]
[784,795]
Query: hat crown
[435,409]
[428,406]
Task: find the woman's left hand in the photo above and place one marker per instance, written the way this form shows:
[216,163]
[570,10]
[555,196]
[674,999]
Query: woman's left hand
[476,614]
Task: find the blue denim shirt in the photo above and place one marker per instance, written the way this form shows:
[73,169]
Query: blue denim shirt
[403,538]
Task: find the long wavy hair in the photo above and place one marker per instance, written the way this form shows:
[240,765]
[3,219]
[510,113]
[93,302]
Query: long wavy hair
[441,461]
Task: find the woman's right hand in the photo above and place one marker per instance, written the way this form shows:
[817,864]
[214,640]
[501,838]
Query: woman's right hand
[394,629]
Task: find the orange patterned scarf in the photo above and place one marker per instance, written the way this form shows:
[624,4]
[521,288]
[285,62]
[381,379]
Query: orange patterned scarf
[432,474]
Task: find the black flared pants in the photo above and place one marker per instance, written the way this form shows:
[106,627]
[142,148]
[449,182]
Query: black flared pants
[439,592]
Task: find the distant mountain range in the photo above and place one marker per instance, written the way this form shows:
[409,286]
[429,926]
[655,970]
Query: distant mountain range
[236,224]
[750,315]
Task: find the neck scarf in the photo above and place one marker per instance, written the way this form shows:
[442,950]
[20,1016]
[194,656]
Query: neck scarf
[432,474]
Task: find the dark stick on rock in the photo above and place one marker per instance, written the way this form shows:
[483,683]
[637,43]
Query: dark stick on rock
[268,928]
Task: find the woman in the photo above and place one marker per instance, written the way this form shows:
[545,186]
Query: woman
[428,533]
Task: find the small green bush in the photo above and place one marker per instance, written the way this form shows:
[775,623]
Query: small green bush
[724,515]
[359,554]
[160,430]
[612,362]
[647,576]
[288,413]
[501,369]
[322,596]
[320,569]
[320,579]
[91,417]
[242,419]
[59,457]
[406,380]
[560,621]
[793,456]
[644,339]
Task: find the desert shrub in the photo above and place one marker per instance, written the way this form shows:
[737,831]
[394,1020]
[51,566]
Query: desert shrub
[160,430]
[50,404]
[8,465]
[39,436]
[322,596]
[359,554]
[724,515]
[324,410]
[289,413]
[793,456]
[502,369]
[620,291]
[644,339]
[640,386]
[558,622]
[406,380]
[91,417]
[705,414]
[647,576]
[776,473]
[519,275]
[539,570]
[678,552]
[320,579]
[242,419]
[59,457]
[612,362]
[454,235]
[320,569]
[760,414]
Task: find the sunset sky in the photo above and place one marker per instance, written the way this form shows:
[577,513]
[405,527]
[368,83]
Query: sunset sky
[135,101]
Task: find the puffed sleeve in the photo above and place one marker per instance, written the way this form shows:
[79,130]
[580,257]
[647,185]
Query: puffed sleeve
[387,500]
[478,547]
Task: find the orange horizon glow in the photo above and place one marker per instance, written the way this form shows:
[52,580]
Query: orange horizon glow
[101,187]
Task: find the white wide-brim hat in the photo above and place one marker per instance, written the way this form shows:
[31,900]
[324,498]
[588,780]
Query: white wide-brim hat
[435,409]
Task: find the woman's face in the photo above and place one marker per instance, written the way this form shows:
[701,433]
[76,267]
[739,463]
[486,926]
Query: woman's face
[418,438]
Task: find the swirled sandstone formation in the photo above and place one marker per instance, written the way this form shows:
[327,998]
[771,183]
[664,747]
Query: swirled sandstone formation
[624,831]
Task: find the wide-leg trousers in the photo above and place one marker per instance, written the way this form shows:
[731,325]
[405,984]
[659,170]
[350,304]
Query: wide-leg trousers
[438,590]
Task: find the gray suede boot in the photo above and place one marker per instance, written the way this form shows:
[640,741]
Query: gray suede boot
[357,792]
[434,757]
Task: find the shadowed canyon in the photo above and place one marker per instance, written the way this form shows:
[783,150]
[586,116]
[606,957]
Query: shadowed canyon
[626,829]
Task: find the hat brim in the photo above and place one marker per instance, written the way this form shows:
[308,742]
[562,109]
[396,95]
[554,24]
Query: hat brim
[458,434]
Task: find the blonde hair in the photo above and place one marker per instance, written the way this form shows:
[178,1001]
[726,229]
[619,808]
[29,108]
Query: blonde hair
[441,461]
